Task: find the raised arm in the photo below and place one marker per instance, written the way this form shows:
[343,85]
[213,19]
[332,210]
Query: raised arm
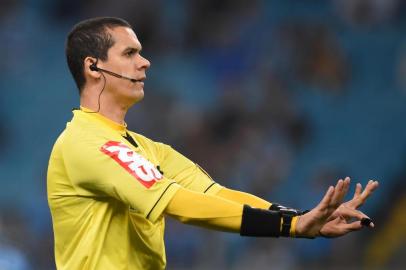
[225,215]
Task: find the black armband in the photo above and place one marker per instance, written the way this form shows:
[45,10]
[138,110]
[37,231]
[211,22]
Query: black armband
[260,222]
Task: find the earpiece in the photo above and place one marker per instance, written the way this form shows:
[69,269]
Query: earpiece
[93,67]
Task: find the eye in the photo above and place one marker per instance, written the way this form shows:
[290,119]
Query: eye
[129,52]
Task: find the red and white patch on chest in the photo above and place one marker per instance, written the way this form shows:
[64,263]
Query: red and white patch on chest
[143,170]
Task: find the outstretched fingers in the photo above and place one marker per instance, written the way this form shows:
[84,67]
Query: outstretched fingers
[371,186]
[326,201]
[358,190]
[340,192]
[361,196]
[339,197]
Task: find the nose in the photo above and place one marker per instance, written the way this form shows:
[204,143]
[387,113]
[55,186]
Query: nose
[144,62]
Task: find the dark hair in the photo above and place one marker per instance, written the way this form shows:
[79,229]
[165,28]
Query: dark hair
[89,38]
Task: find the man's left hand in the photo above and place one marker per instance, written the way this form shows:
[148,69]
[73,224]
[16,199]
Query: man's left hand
[333,218]
[340,222]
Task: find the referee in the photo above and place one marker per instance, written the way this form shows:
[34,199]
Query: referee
[110,188]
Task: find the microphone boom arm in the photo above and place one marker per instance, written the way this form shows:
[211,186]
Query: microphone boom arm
[115,74]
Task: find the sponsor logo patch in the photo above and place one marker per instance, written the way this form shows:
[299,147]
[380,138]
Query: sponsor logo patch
[143,170]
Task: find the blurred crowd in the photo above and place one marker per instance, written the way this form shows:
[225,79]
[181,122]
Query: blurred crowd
[277,98]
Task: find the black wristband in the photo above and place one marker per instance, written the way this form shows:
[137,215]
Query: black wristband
[260,222]
[286,225]
[287,215]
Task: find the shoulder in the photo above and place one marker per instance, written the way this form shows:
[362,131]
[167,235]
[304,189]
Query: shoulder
[83,140]
[143,140]
[149,143]
[58,144]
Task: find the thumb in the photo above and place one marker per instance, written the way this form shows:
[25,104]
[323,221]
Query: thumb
[353,226]
[349,213]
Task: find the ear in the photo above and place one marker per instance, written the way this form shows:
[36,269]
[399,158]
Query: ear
[89,61]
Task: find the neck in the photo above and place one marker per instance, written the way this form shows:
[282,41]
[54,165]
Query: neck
[108,108]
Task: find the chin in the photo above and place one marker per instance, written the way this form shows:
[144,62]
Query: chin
[138,96]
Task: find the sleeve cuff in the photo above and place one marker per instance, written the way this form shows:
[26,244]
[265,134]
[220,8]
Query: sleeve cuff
[163,201]
[213,189]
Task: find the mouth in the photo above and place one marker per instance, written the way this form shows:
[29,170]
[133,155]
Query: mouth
[142,79]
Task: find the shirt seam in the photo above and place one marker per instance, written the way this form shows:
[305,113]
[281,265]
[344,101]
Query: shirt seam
[160,197]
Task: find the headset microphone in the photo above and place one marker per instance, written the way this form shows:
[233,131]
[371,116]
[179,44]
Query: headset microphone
[93,67]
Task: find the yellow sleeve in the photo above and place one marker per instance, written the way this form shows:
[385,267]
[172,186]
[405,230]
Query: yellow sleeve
[243,198]
[205,210]
[185,172]
[98,167]
[210,211]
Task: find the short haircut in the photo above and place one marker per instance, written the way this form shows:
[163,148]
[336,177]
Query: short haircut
[89,38]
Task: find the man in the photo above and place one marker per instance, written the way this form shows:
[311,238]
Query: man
[109,188]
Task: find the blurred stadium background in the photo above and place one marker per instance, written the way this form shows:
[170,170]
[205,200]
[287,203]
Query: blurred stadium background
[279,98]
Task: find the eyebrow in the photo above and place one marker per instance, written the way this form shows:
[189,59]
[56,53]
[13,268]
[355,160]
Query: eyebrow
[139,49]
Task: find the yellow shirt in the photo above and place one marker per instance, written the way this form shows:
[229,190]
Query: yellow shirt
[107,195]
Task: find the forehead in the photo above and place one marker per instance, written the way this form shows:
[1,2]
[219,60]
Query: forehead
[124,37]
